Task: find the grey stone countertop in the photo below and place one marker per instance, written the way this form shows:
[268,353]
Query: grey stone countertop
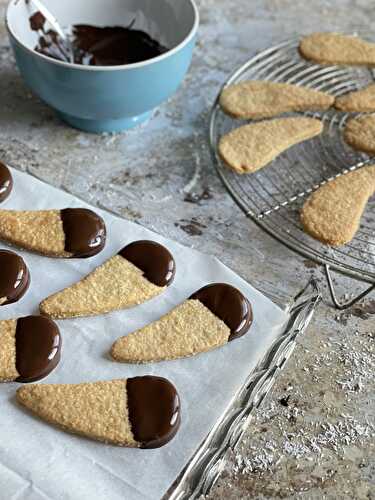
[314,436]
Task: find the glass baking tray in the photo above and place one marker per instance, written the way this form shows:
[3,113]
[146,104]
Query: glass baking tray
[205,467]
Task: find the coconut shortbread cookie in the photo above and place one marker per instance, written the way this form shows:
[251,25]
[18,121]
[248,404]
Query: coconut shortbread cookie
[140,412]
[139,272]
[261,99]
[72,232]
[29,348]
[251,147]
[14,277]
[360,133]
[335,48]
[333,213]
[360,101]
[212,317]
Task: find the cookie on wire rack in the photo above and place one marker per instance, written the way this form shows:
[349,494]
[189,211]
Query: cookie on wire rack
[360,133]
[359,101]
[332,214]
[251,147]
[336,48]
[263,99]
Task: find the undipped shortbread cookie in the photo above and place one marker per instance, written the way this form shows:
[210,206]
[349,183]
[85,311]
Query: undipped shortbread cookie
[333,213]
[360,101]
[360,133]
[140,412]
[335,48]
[139,272]
[212,317]
[261,99]
[72,232]
[29,348]
[251,147]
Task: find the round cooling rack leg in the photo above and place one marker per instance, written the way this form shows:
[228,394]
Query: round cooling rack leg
[344,305]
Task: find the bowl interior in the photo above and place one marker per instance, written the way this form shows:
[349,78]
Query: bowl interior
[168,21]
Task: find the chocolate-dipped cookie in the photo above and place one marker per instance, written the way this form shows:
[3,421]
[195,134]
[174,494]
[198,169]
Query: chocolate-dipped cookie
[140,412]
[68,233]
[210,318]
[6,182]
[29,348]
[14,277]
[139,272]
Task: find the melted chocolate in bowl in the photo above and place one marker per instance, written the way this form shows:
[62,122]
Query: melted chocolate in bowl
[38,348]
[154,410]
[85,232]
[6,182]
[14,277]
[228,304]
[97,46]
[153,259]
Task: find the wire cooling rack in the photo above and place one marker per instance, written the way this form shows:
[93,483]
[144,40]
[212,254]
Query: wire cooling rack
[273,196]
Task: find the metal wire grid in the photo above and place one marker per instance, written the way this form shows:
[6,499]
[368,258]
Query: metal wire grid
[273,196]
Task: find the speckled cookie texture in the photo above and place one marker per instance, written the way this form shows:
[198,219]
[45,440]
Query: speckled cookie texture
[361,101]
[251,147]
[261,99]
[96,410]
[37,231]
[8,371]
[116,284]
[335,48]
[360,133]
[187,330]
[333,213]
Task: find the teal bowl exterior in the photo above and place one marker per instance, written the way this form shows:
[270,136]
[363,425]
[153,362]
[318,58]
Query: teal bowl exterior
[104,100]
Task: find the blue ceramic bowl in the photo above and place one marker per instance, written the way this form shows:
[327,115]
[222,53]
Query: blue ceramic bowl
[107,98]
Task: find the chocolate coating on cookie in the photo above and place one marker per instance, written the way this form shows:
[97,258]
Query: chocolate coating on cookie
[14,277]
[85,232]
[38,348]
[228,304]
[153,259]
[6,182]
[154,410]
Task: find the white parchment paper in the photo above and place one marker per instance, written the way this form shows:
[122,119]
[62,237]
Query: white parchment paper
[38,461]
